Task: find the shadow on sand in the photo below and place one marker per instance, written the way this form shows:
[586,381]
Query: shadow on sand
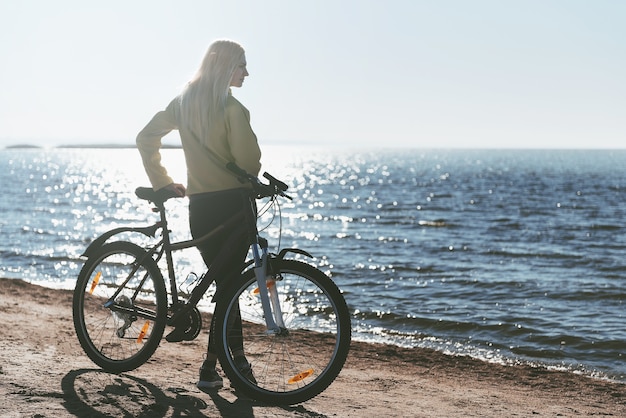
[96,393]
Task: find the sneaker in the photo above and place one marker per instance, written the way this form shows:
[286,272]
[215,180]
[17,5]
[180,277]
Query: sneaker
[209,380]
[245,368]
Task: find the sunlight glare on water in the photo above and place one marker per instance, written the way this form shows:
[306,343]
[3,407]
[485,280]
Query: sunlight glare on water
[512,255]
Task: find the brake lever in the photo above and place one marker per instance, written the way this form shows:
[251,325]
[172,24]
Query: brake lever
[286,196]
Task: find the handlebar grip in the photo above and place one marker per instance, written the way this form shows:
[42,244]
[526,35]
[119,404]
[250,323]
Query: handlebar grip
[273,180]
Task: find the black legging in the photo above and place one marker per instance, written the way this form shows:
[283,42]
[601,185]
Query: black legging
[206,212]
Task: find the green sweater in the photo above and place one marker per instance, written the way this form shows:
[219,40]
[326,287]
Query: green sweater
[233,141]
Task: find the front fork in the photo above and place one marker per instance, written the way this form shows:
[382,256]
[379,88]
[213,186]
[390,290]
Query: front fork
[267,291]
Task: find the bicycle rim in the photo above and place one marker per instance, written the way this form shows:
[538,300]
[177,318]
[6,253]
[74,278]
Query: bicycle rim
[119,325]
[300,362]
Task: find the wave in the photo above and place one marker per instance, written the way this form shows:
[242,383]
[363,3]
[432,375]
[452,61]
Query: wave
[527,254]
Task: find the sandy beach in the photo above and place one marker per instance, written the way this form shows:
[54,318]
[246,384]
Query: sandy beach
[44,373]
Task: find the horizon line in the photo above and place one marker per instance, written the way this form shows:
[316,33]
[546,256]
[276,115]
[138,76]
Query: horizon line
[117,145]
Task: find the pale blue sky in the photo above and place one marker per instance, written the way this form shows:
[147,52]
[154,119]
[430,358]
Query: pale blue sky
[533,73]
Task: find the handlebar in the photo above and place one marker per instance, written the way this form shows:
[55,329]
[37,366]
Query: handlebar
[274,188]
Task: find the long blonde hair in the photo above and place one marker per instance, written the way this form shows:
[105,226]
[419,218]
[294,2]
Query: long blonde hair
[203,100]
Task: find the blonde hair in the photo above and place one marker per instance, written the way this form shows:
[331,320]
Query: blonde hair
[203,100]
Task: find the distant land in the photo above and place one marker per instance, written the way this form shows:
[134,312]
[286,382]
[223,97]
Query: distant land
[22,146]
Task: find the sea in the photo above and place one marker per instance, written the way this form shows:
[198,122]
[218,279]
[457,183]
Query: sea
[510,256]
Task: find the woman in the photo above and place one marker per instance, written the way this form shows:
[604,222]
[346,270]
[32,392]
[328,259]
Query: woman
[214,129]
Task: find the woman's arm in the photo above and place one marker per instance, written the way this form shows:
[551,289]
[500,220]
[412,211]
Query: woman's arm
[149,145]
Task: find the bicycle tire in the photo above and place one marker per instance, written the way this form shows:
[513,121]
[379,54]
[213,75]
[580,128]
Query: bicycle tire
[303,361]
[119,341]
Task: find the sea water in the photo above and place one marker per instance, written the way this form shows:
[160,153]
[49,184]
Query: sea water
[513,256]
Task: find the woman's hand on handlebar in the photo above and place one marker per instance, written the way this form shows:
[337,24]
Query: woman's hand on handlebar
[274,188]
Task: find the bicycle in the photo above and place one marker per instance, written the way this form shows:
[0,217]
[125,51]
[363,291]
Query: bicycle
[295,323]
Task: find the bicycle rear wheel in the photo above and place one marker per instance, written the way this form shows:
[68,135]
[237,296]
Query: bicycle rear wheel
[119,307]
[298,363]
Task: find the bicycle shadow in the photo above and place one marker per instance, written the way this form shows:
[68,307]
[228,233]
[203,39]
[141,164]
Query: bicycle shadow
[96,393]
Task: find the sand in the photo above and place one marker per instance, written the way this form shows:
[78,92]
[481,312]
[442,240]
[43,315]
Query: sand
[44,373]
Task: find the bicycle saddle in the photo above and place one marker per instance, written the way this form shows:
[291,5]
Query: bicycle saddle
[158,197]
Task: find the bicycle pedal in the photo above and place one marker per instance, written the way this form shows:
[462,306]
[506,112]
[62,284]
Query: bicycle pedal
[177,335]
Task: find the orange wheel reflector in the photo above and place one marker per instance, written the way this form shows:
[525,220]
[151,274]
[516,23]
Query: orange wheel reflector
[95,282]
[300,376]
[270,283]
[144,331]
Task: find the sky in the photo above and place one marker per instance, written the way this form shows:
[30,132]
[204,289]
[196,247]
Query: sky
[392,73]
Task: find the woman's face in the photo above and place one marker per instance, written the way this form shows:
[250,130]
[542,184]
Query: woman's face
[240,73]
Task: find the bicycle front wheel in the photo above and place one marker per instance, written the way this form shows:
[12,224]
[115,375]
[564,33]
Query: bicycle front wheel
[119,307]
[303,359]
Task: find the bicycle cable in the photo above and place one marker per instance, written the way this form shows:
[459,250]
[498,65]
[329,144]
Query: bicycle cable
[274,204]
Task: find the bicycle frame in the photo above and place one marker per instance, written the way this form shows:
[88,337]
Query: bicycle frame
[260,261]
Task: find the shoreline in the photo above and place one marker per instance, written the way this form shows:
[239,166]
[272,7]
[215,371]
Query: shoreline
[501,360]
[45,372]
